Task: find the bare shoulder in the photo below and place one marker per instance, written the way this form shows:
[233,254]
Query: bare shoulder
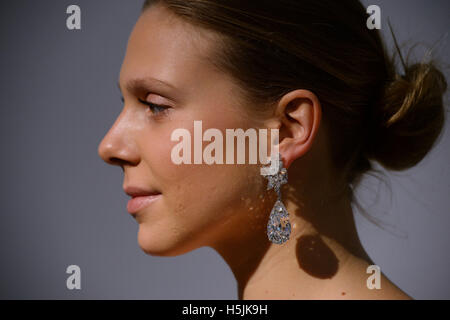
[365,281]
[392,292]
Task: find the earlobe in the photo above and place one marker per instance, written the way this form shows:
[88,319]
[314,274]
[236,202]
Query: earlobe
[300,121]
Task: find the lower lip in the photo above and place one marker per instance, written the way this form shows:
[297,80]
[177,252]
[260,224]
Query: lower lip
[137,203]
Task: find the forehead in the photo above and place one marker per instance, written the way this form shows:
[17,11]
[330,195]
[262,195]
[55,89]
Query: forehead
[164,47]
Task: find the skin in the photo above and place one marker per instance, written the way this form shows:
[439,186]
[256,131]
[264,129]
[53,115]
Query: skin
[227,207]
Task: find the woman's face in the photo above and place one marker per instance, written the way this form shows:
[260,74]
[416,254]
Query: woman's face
[199,204]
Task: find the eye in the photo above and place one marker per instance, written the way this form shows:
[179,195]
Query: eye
[154,108]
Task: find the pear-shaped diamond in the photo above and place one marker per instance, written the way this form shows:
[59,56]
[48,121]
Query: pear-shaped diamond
[279,227]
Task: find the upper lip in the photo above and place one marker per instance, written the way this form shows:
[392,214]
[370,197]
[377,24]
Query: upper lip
[134,191]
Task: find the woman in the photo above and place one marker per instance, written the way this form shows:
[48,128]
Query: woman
[312,70]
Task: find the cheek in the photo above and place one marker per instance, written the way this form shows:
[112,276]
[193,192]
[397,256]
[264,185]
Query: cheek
[209,203]
[199,197]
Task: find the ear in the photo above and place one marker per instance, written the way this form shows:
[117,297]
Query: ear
[300,113]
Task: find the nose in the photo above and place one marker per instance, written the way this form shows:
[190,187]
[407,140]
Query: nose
[118,146]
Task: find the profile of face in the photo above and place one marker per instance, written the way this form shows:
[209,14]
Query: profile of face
[198,204]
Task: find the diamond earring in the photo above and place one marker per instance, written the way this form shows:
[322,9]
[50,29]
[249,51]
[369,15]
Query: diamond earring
[278,227]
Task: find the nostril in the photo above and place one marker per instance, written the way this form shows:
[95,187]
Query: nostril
[116,161]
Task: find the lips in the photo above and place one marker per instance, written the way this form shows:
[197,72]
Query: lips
[141,198]
[139,203]
[134,191]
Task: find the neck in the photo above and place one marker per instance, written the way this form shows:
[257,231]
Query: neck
[321,254]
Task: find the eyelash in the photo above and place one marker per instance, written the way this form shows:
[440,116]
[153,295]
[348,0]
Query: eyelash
[152,106]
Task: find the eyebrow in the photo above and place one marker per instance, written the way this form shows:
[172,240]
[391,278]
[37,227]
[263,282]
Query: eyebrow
[151,84]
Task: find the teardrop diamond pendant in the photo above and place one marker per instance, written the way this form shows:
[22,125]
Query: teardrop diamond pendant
[278,227]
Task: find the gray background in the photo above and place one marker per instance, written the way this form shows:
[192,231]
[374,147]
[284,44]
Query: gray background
[61,205]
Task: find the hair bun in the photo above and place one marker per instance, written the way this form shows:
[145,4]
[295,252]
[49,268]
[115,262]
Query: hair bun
[410,117]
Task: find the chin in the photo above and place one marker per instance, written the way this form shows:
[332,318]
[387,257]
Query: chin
[161,243]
